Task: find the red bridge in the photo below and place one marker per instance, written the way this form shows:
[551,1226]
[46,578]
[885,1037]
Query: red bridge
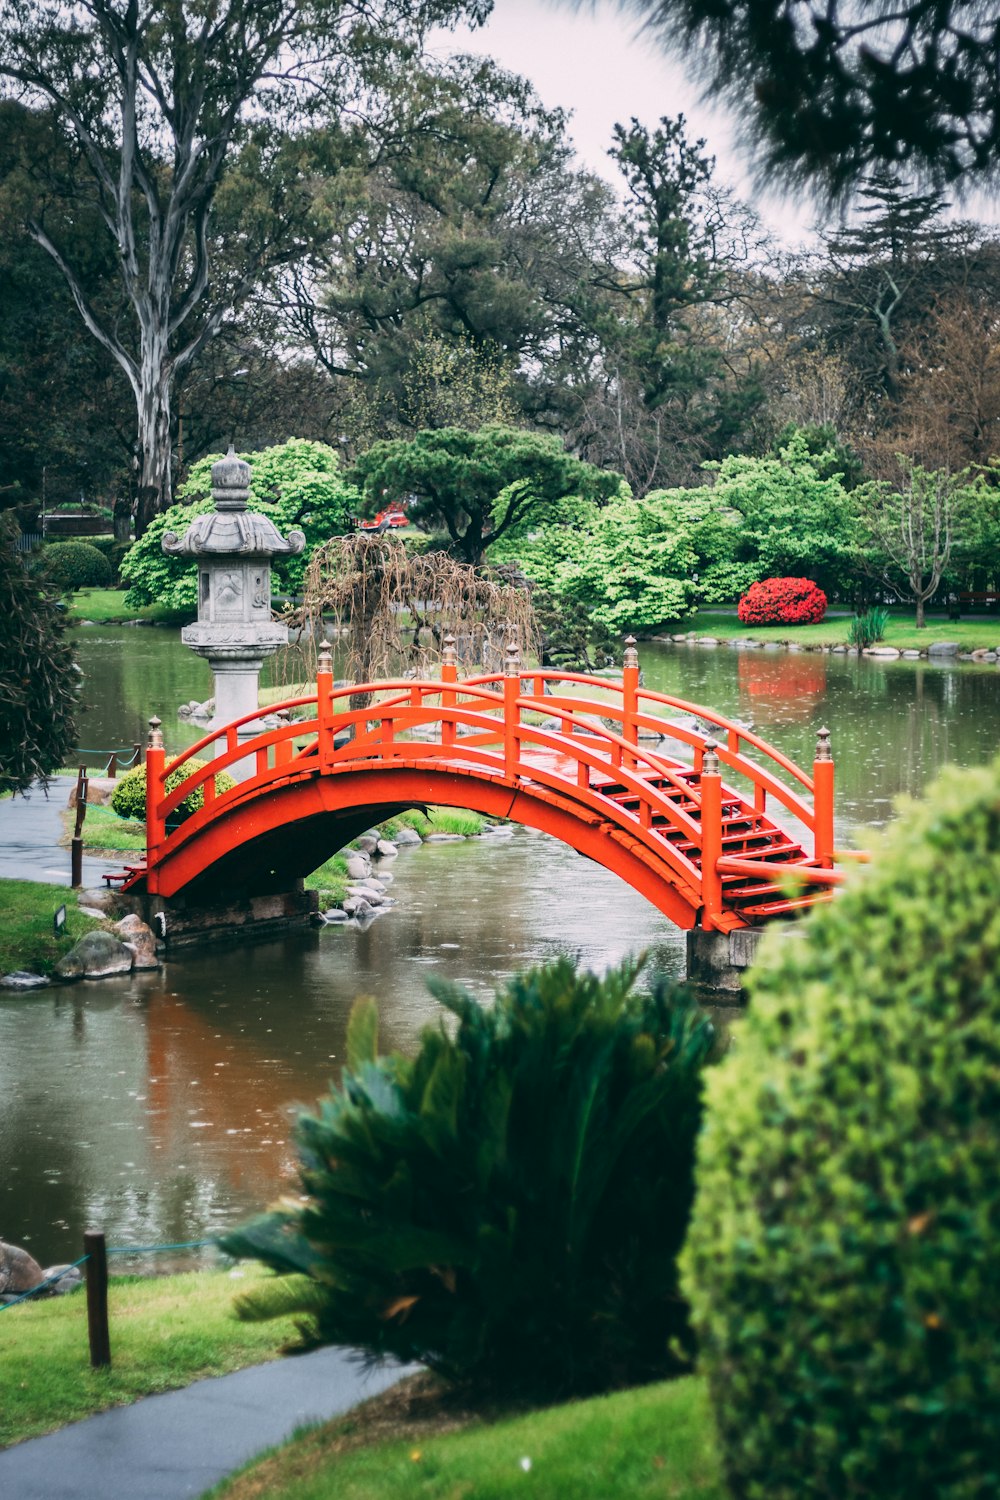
[582,758]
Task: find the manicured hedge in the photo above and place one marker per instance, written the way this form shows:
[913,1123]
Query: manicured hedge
[842,1262]
[75,565]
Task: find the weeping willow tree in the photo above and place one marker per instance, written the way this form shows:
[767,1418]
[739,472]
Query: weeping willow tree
[391,610]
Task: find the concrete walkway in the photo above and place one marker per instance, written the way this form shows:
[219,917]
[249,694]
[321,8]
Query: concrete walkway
[180,1444]
[30,830]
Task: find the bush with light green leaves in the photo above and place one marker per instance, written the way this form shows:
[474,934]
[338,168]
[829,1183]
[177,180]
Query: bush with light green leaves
[298,483]
[507,1206]
[129,797]
[842,1261]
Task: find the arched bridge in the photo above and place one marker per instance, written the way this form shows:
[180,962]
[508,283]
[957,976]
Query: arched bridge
[597,763]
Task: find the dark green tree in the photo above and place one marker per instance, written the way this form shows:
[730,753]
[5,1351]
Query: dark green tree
[478,486]
[38,677]
[834,89]
[161,100]
[456,223]
[664,396]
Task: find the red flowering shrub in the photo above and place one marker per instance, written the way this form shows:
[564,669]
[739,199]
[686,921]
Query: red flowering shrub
[782,601]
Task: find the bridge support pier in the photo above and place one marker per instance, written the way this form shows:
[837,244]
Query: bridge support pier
[717,962]
[250,919]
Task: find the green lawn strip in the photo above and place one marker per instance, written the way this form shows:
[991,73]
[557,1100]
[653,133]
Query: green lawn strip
[104,832]
[982,632]
[108,607]
[166,1331]
[656,1441]
[27,938]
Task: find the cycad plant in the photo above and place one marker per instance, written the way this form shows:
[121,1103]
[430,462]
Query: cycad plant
[507,1206]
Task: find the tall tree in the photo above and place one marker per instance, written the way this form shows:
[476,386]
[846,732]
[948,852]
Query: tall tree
[157,97]
[834,89]
[670,396]
[457,223]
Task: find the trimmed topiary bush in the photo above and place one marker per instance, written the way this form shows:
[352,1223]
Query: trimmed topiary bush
[842,1261]
[782,601]
[507,1206]
[75,565]
[129,797]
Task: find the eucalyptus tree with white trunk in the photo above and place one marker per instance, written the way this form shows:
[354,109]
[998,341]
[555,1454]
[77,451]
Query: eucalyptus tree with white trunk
[156,99]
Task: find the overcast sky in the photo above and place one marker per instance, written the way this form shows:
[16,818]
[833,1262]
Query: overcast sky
[596,62]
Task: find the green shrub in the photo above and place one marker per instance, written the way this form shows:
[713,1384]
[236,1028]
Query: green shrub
[75,565]
[129,797]
[507,1206]
[842,1262]
[868,628]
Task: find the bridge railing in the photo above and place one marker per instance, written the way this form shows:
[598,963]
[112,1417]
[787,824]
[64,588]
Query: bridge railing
[496,723]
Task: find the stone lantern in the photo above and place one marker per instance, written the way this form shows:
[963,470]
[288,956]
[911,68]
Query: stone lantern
[233,547]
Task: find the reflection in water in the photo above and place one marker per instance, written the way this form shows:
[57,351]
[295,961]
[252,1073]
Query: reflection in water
[159,1107]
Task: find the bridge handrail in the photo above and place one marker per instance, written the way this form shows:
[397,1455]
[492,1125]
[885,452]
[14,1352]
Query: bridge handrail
[697,710]
[492,707]
[419,751]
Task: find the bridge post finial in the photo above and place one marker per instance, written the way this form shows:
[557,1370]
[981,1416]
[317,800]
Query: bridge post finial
[512,660]
[631,657]
[710,760]
[449,654]
[155,741]
[823,800]
[325,661]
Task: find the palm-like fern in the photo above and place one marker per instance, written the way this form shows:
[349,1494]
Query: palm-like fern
[507,1206]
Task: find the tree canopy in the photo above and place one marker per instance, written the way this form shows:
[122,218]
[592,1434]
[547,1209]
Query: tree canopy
[478,486]
[833,89]
[159,100]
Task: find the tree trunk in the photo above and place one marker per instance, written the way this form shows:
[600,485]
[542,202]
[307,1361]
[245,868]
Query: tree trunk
[153,412]
[921,622]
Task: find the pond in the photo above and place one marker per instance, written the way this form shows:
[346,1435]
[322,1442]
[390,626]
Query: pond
[160,1107]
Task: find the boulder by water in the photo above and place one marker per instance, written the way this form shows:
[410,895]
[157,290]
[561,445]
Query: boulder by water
[19,1271]
[95,956]
[137,936]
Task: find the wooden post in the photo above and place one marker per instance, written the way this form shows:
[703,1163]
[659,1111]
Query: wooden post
[823,800]
[97,1298]
[711,835]
[324,700]
[630,691]
[511,713]
[155,826]
[76,842]
[449,673]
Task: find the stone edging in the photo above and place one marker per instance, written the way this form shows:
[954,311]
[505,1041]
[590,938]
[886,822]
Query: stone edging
[936,650]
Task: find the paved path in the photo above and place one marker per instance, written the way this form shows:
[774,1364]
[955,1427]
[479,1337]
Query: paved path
[30,830]
[178,1445]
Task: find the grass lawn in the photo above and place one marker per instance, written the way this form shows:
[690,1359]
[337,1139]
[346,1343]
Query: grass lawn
[108,607]
[971,634]
[27,939]
[165,1332]
[104,832]
[656,1441]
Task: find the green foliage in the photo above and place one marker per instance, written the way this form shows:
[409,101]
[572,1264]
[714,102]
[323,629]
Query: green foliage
[129,797]
[38,677]
[75,565]
[842,1260]
[297,483]
[868,628]
[479,485]
[632,565]
[505,1207]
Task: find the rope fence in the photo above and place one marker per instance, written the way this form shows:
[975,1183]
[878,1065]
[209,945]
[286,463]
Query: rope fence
[95,1259]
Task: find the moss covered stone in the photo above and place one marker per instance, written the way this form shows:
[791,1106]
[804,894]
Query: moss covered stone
[842,1261]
